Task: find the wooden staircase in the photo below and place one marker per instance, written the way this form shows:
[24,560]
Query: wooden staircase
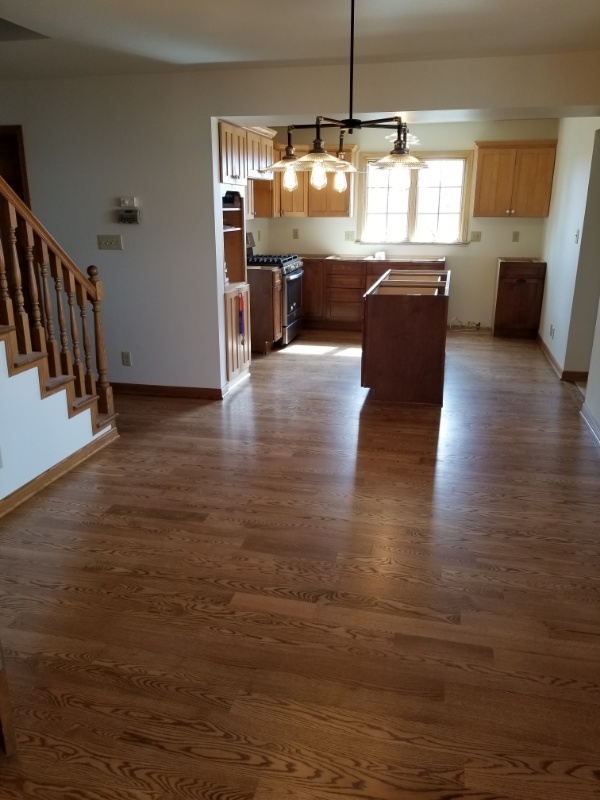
[50,316]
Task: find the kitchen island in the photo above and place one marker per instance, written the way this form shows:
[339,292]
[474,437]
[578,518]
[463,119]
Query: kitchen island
[404,336]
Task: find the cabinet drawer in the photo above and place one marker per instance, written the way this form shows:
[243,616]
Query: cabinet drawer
[522,269]
[345,311]
[346,280]
[345,295]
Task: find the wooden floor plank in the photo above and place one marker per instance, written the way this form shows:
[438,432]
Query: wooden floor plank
[302,594]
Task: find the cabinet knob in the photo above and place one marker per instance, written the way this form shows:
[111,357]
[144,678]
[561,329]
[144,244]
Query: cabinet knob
[513,211]
[508,210]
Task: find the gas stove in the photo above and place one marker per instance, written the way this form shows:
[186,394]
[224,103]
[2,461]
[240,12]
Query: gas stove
[288,263]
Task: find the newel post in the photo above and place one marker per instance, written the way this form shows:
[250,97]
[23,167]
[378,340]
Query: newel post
[104,389]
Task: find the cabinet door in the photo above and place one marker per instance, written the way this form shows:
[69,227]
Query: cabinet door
[232,145]
[313,288]
[253,154]
[327,202]
[293,204]
[534,170]
[277,308]
[237,342]
[494,184]
[518,306]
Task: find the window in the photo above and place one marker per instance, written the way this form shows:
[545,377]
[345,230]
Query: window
[417,205]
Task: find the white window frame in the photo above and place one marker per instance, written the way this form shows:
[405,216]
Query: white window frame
[464,155]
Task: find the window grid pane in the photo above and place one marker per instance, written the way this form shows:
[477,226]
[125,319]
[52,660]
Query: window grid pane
[434,213]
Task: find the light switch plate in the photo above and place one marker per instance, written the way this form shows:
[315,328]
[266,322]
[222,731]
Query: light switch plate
[106,242]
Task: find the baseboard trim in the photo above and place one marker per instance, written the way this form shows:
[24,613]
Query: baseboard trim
[591,422]
[152,390]
[563,374]
[574,376]
[30,489]
[550,358]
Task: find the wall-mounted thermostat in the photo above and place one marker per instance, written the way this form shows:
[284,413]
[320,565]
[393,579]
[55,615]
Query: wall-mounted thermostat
[129,216]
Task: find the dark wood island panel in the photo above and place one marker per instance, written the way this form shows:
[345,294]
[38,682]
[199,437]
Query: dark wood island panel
[404,337]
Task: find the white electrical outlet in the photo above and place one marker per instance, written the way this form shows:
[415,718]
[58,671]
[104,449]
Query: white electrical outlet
[295,233]
[350,236]
[126,358]
[516,236]
[110,242]
[475,236]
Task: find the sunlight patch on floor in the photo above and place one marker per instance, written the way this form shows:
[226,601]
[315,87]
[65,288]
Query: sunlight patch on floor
[350,352]
[306,349]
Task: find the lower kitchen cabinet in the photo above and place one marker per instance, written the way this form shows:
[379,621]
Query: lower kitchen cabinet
[237,329]
[333,289]
[344,290]
[519,295]
[313,289]
[267,308]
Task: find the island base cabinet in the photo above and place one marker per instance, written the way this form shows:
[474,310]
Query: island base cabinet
[404,346]
[237,330]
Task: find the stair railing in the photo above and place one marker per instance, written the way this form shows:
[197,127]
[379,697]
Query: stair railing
[44,305]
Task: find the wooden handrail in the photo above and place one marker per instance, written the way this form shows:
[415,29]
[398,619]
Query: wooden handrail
[26,213]
[44,302]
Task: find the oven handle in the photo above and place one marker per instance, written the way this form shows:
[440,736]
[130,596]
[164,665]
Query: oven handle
[293,276]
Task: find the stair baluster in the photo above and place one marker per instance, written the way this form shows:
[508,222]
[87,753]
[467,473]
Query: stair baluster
[21,318]
[38,338]
[105,392]
[66,362]
[78,369]
[41,249]
[90,378]
[7,316]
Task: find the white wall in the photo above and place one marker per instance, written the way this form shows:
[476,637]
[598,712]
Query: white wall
[561,250]
[592,397]
[35,434]
[90,140]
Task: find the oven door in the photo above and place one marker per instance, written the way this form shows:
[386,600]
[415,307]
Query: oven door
[292,305]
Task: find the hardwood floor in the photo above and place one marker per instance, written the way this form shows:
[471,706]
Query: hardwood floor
[298,594]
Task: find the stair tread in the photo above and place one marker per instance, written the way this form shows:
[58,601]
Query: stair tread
[59,382]
[29,358]
[84,400]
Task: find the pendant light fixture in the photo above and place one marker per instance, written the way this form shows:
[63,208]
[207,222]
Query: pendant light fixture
[319,162]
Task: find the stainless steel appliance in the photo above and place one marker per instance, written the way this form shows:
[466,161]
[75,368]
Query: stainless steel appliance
[291,295]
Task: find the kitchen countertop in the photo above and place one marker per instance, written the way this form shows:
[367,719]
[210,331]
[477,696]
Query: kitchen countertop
[391,260]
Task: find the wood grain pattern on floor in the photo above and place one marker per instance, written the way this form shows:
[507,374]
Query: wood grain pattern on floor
[300,594]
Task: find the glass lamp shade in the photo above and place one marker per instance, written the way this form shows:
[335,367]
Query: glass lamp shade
[400,160]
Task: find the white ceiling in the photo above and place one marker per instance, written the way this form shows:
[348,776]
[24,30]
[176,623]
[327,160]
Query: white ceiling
[87,37]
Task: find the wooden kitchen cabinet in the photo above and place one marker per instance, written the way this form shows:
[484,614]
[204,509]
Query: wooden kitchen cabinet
[519,295]
[267,307]
[272,201]
[344,290]
[233,156]
[333,288]
[313,288]
[514,179]
[259,155]
[237,330]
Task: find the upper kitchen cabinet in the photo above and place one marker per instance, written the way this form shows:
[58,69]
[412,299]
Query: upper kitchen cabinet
[514,179]
[233,156]
[260,155]
[272,200]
